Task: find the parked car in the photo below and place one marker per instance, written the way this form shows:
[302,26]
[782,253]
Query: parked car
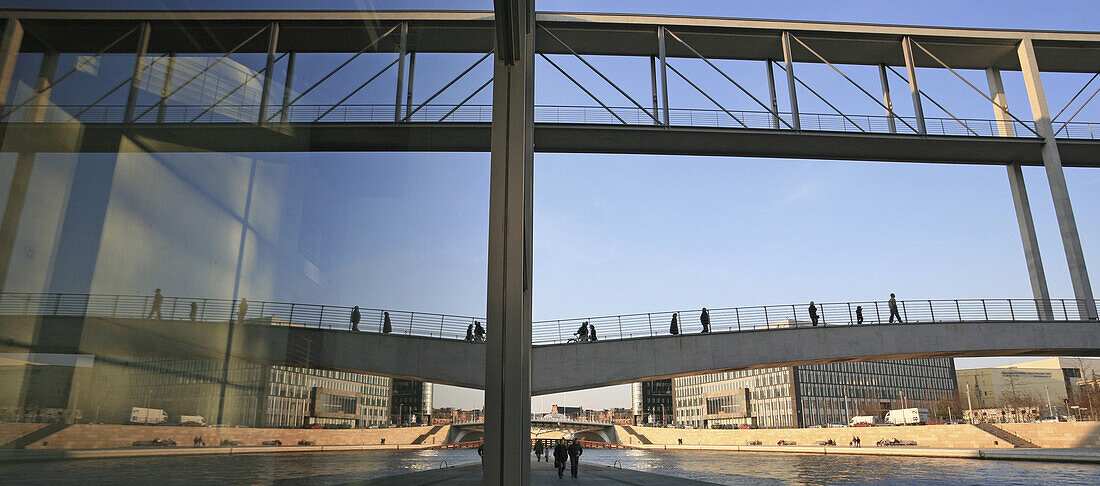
[275,442]
[748,426]
[836,425]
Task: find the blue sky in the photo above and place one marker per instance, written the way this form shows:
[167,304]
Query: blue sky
[623,234]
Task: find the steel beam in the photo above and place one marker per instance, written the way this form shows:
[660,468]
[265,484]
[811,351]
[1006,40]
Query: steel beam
[284,112]
[653,83]
[788,62]
[36,111]
[1079,276]
[135,79]
[11,40]
[269,71]
[1020,201]
[886,100]
[771,93]
[399,96]
[914,90]
[166,88]
[664,73]
[508,313]
[409,91]
[13,211]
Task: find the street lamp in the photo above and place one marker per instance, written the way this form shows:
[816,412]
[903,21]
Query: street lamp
[1049,406]
[968,404]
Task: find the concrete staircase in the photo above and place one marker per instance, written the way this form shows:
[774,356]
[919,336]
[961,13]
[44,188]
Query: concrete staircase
[35,436]
[423,437]
[641,438]
[1015,440]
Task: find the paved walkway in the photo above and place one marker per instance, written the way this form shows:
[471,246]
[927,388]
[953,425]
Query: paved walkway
[542,473]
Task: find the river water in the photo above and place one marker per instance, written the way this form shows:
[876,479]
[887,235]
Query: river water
[331,468]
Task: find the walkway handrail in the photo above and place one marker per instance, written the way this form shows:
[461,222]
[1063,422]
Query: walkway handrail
[572,114]
[558,331]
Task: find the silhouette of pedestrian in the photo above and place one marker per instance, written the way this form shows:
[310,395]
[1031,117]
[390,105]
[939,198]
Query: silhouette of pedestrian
[242,309]
[674,328]
[704,318]
[538,451]
[582,332]
[591,333]
[481,451]
[859,314]
[194,311]
[813,313]
[470,332]
[386,326]
[479,332]
[158,299]
[575,451]
[560,455]
[894,309]
[355,316]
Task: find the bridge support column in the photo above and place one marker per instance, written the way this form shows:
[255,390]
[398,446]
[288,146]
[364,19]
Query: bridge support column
[269,70]
[1078,274]
[911,71]
[508,313]
[399,97]
[886,101]
[11,40]
[1020,201]
[36,110]
[285,112]
[771,93]
[166,88]
[788,63]
[135,80]
[664,73]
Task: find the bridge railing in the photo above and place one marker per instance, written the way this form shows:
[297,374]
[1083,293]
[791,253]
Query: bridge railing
[572,114]
[734,319]
[200,309]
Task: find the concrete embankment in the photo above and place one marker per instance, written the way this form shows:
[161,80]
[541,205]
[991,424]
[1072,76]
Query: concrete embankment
[98,436]
[58,455]
[1080,435]
[1090,456]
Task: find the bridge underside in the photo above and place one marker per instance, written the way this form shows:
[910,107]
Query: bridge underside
[592,365]
[567,138]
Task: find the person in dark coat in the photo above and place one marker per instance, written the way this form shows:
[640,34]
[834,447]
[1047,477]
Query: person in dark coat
[479,332]
[481,451]
[470,332]
[560,455]
[582,332]
[813,313]
[894,310]
[355,316]
[575,451]
[591,333]
[386,326]
[242,309]
[194,311]
[705,319]
[539,449]
[859,314]
[674,328]
[158,300]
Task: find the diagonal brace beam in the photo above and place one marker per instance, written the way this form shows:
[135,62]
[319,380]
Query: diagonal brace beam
[704,93]
[728,78]
[579,85]
[448,85]
[938,105]
[600,74]
[822,98]
[468,98]
[234,90]
[356,90]
[116,88]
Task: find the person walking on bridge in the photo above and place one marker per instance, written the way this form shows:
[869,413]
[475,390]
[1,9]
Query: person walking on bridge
[560,455]
[894,309]
[575,451]
[242,309]
[158,300]
[355,316]
[479,332]
[813,313]
[859,314]
[704,318]
[582,332]
[470,332]
[674,328]
[386,326]
[591,333]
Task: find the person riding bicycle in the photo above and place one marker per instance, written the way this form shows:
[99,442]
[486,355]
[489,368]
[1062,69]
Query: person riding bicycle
[582,332]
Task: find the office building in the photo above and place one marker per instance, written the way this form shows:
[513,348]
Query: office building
[652,402]
[1025,384]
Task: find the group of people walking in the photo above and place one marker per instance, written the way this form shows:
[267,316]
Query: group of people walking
[586,333]
[704,317]
[356,316]
[562,452]
[475,333]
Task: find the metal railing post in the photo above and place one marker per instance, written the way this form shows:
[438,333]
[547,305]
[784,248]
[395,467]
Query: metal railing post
[1010,311]
[114,310]
[737,312]
[985,310]
[262,308]
[290,320]
[931,313]
[441,326]
[409,330]
[321,317]
[878,314]
[766,317]
[1065,313]
[958,310]
[559,331]
[904,313]
[620,326]
[649,317]
[202,316]
[850,319]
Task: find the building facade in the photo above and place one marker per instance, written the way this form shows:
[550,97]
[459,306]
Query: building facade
[808,395]
[652,402]
[412,402]
[1025,384]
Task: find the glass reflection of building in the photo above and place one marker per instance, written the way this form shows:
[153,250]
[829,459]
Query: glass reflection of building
[652,401]
[412,402]
[802,396]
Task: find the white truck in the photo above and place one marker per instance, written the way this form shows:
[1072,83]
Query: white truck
[192,421]
[907,416]
[863,421]
[147,416]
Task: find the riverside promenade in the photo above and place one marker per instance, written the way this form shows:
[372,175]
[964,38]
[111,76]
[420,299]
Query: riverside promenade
[1084,456]
[542,473]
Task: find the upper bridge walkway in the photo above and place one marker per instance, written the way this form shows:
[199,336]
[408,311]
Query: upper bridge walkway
[629,347]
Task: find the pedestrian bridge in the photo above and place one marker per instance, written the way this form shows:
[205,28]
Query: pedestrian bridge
[630,347]
[595,431]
